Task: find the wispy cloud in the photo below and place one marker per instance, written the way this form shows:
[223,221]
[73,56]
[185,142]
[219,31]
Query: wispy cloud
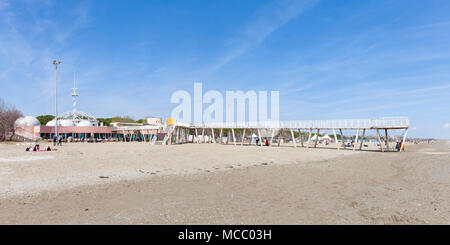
[446,125]
[267,20]
[30,40]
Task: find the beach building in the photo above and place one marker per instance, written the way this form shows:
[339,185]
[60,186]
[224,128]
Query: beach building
[80,125]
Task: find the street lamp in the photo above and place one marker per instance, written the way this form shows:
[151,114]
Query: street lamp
[56,63]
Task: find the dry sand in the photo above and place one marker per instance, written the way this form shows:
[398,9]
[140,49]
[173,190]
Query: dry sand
[138,183]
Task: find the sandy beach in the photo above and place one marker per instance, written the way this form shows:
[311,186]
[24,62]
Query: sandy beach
[139,183]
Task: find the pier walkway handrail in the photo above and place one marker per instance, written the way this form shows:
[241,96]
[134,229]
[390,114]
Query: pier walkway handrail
[380,123]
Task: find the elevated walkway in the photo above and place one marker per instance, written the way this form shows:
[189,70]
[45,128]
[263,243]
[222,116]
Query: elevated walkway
[276,127]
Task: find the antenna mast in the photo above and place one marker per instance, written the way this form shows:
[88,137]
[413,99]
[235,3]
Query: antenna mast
[74,97]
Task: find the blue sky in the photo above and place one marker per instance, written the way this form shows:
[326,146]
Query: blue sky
[329,59]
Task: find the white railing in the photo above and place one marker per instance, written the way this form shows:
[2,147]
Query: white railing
[398,122]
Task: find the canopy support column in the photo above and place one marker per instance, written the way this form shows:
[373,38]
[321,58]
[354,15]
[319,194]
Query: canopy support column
[234,137]
[317,138]
[279,136]
[379,140]
[259,136]
[271,138]
[309,137]
[243,137]
[362,139]
[336,140]
[293,138]
[402,148]
[203,135]
[342,138]
[301,137]
[356,140]
[386,139]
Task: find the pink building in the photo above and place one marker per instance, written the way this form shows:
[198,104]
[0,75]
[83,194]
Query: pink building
[48,132]
[30,128]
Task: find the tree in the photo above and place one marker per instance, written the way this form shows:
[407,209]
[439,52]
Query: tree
[125,119]
[105,121]
[108,121]
[8,116]
[44,119]
[142,121]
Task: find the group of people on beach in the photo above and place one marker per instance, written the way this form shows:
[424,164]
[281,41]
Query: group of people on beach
[399,146]
[266,143]
[57,141]
[36,148]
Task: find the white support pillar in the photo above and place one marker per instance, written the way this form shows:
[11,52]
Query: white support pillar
[196,136]
[279,136]
[182,137]
[356,140]
[171,135]
[221,136]
[386,139]
[362,139]
[301,137]
[309,137]
[402,148]
[187,135]
[342,138]
[379,140]
[336,140]
[243,137]
[317,138]
[271,138]
[212,135]
[293,138]
[259,136]
[234,137]
[203,135]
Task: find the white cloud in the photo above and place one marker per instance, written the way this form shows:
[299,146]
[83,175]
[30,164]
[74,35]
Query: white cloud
[267,21]
[446,125]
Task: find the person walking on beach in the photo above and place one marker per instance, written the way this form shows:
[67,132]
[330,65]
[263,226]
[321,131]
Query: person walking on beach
[54,140]
[60,141]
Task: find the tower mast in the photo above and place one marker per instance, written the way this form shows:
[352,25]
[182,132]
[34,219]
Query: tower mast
[74,97]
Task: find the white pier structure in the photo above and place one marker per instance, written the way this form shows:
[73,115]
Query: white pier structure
[179,132]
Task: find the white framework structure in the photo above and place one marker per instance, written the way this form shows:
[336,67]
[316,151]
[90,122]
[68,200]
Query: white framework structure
[75,115]
[78,116]
[177,133]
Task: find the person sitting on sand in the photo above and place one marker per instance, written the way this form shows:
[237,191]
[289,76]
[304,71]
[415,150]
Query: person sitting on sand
[27,149]
[48,148]
[267,142]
